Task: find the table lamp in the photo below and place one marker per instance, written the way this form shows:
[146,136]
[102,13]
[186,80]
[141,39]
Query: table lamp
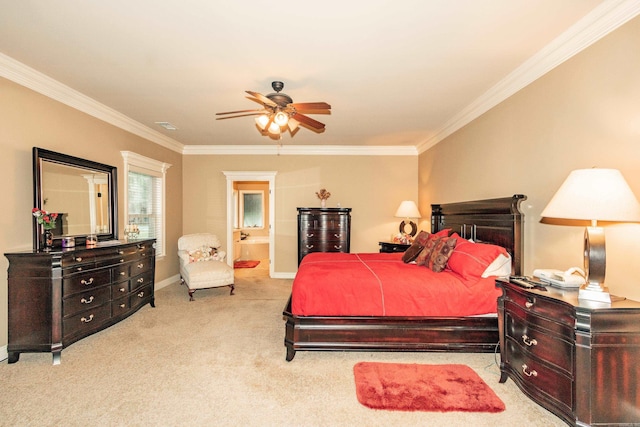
[408,210]
[594,195]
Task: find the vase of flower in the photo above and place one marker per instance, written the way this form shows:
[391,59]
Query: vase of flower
[323,195]
[48,222]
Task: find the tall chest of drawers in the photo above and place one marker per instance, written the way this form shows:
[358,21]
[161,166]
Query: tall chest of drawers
[578,359]
[57,298]
[323,230]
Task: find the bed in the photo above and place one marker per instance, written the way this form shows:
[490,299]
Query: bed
[493,221]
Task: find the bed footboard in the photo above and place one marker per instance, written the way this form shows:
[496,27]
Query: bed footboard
[363,333]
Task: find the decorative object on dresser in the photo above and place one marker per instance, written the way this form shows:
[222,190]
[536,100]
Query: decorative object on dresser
[59,297]
[387,247]
[202,265]
[577,358]
[594,195]
[323,230]
[408,210]
[496,221]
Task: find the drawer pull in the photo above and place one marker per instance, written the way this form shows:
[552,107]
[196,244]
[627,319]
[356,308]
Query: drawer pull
[140,280]
[309,246]
[85,320]
[528,304]
[337,235]
[310,235]
[79,269]
[121,260]
[141,265]
[337,247]
[141,294]
[122,306]
[87,282]
[525,370]
[120,252]
[528,341]
[87,301]
[78,259]
[122,273]
[122,290]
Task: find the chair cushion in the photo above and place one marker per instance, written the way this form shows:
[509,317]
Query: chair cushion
[207,274]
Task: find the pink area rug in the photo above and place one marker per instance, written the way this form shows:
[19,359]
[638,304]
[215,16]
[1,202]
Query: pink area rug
[245,264]
[414,387]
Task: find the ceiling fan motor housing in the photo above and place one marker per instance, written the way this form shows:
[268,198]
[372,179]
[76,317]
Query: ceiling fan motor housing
[281,99]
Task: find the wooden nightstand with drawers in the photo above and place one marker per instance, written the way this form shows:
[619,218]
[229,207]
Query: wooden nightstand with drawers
[578,359]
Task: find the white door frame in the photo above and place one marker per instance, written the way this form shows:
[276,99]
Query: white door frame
[233,176]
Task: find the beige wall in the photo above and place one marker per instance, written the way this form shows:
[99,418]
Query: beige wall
[373,186]
[28,119]
[584,113]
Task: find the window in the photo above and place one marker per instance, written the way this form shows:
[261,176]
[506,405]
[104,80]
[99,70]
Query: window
[251,209]
[145,197]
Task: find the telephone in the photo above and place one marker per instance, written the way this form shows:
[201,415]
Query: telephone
[572,278]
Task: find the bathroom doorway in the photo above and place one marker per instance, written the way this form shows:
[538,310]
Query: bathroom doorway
[250,220]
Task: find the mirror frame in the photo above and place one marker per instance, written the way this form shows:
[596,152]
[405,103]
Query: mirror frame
[40,155]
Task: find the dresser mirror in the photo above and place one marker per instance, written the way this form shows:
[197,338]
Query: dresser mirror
[83,193]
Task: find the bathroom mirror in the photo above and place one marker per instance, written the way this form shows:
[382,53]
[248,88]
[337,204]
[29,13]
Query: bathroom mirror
[83,193]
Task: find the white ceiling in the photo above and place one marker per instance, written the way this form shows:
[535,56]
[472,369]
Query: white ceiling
[397,73]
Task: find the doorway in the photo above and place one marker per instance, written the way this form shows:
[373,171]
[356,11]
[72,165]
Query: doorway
[235,180]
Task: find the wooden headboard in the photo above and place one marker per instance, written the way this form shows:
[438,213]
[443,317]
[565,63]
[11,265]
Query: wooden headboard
[495,221]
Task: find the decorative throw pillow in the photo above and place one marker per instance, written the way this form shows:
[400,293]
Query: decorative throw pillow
[440,253]
[205,253]
[423,257]
[472,259]
[416,247]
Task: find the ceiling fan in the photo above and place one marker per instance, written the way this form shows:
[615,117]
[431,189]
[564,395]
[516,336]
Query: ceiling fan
[280,113]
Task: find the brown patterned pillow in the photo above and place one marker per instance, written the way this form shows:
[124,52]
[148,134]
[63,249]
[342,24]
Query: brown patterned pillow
[423,257]
[440,254]
[416,247]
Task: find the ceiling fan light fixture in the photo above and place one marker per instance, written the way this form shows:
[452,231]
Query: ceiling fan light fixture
[262,121]
[274,128]
[281,118]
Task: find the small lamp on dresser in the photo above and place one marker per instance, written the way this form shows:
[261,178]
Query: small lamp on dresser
[408,210]
[594,195]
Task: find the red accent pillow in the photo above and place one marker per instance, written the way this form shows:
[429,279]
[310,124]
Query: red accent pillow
[471,259]
[424,256]
[440,254]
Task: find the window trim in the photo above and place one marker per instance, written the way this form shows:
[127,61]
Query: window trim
[134,162]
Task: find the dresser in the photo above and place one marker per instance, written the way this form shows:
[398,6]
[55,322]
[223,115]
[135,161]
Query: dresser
[323,230]
[578,359]
[57,298]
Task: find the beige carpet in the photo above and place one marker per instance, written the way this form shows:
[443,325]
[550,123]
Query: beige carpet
[220,360]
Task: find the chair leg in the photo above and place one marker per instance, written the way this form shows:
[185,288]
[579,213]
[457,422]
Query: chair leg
[232,289]
[191,291]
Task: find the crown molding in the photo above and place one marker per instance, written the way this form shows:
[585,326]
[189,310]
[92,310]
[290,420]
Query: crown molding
[45,85]
[598,23]
[301,150]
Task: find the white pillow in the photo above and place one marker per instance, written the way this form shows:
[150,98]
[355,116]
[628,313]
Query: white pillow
[500,267]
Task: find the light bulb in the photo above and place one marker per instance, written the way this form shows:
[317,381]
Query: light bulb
[262,121]
[274,128]
[281,118]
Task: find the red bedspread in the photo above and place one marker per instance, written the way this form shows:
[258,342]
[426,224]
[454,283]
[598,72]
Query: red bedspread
[380,284]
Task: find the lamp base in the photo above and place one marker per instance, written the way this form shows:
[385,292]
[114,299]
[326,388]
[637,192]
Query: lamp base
[414,228]
[595,292]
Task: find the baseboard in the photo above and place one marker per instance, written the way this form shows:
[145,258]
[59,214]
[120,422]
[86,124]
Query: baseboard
[166,282]
[3,353]
[283,275]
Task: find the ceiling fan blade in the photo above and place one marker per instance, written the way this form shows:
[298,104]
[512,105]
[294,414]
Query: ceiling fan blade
[240,111]
[240,115]
[305,120]
[310,106]
[262,98]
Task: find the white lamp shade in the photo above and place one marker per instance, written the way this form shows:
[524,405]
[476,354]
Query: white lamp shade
[594,194]
[408,209]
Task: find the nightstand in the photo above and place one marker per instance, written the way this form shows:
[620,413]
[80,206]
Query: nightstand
[578,359]
[393,247]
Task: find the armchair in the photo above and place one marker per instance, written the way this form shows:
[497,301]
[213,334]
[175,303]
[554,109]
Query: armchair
[202,266]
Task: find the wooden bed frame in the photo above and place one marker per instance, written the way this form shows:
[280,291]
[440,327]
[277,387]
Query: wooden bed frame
[497,221]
